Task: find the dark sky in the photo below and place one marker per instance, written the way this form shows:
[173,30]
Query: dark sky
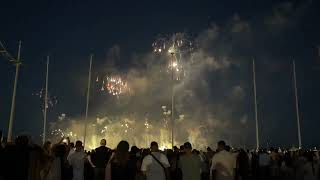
[70,30]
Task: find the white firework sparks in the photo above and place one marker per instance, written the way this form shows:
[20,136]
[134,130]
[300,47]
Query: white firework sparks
[178,43]
[114,85]
[176,46]
[52,100]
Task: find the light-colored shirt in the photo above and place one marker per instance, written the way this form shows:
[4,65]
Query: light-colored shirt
[153,169]
[223,163]
[190,166]
[77,160]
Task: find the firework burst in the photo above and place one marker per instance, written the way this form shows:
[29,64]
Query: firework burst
[52,100]
[114,85]
[176,46]
[178,43]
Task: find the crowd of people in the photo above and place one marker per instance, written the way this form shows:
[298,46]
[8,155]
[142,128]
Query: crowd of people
[66,160]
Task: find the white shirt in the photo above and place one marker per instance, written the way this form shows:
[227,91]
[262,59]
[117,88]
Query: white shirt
[76,160]
[153,169]
[224,164]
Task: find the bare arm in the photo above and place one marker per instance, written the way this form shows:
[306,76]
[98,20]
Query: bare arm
[90,161]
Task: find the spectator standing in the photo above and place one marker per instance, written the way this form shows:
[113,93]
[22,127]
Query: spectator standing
[242,165]
[155,165]
[310,168]
[99,159]
[223,164]
[120,166]
[190,164]
[264,165]
[77,160]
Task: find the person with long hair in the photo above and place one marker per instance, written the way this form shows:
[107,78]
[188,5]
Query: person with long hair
[120,166]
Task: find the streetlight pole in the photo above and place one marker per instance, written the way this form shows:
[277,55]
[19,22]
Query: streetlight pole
[172,101]
[88,99]
[45,104]
[297,103]
[255,104]
[17,63]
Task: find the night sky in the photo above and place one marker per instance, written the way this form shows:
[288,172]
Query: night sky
[273,32]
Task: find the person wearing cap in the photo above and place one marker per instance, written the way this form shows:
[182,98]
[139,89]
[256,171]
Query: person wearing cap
[190,164]
[223,164]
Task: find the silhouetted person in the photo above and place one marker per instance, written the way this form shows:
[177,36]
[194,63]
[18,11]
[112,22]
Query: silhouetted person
[190,164]
[242,165]
[310,168]
[16,159]
[120,166]
[36,162]
[99,159]
[264,165]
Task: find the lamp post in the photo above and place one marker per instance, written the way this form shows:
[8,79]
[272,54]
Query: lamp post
[17,63]
[172,99]
[255,104]
[45,105]
[88,100]
[297,104]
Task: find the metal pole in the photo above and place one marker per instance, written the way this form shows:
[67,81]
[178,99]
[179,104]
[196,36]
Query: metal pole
[255,104]
[88,99]
[13,102]
[297,103]
[45,104]
[172,102]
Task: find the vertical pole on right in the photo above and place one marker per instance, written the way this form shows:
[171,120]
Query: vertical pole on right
[172,102]
[45,105]
[88,100]
[297,103]
[255,104]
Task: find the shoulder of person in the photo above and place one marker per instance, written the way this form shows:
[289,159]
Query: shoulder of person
[147,158]
[162,155]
